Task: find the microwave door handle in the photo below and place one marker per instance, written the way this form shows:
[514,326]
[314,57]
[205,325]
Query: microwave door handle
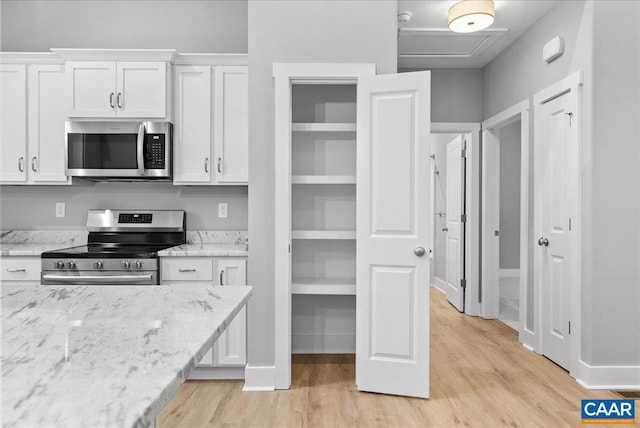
[141,133]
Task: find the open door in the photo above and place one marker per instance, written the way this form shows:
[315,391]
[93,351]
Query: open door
[454,270]
[392,305]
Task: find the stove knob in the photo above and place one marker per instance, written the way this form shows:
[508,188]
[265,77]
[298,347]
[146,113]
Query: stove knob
[138,264]
[71,265]
[59,264]
[99,264]
[126,264]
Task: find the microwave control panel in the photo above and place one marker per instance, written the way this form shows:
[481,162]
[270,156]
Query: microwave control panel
[154,158]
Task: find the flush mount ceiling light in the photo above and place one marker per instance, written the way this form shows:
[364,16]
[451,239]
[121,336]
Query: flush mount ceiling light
[468,16]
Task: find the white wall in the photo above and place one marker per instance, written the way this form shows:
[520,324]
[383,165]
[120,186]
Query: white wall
[188,26]
[293,31]
[510,196]
[456,95]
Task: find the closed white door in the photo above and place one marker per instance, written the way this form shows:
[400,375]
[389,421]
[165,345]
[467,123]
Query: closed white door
[93,88]
[141,89]
[392,305]
[231,124]
[557,169]
[454,263]
[192,129]
[13,122]
[232,344]
[47,98]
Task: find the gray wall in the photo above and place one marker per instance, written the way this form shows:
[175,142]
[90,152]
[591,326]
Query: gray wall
[603,41]
[456,95]
[33,207]
[188,26]
[611,191]
[510,196]
[291,31]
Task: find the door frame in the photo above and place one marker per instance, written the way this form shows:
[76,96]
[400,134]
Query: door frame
[285,75]
[472,204]
[491,217]
[570,84]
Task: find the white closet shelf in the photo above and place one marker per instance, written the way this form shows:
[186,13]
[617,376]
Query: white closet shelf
[323,127]
[329,286]
[323,179]
[323,234]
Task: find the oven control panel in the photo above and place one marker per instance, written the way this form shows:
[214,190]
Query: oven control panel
[124,218]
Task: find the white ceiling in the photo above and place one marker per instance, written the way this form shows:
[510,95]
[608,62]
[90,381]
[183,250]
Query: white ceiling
[426,42]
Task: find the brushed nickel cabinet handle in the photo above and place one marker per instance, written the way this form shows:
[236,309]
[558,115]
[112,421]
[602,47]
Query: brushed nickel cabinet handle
[111,99]
[186,270]
[119,100]
[13,270]
[221,273]
[21,164]
[220,165]
[33,164]
[206,165]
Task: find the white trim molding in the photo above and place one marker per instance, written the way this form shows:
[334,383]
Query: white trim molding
[439,284]
[259,378]
[115,54]
[210,59]
[30,58]
[216,373]
[609,377]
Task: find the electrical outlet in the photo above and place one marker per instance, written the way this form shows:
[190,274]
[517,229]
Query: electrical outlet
[60,209]
[222,210]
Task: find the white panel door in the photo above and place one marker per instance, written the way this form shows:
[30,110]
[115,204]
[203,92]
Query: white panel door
[392,305]
[13,123]
[232,344]
[141,89]
[455,227]
[232,124]
[192,129]
[92,86]
[47,99]
[556,172]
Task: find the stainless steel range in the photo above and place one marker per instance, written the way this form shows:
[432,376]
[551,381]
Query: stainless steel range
[122,248]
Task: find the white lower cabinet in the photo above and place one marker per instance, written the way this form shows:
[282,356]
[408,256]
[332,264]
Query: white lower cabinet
[23,269]
[230,350]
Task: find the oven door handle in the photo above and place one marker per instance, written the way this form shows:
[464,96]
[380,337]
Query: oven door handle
[98,279]
[141,131]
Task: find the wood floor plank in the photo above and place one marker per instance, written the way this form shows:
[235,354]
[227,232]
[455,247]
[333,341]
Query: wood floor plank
[480,376]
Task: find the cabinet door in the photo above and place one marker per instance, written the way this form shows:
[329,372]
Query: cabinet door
[13,123]
[141,89]
[231,347]
[192,130]
[232,124]
[92,86]
[46,124]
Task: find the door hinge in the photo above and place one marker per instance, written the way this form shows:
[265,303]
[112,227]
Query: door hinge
[463,218]
[496,233]
[569,327]
[463,283]
[463,153]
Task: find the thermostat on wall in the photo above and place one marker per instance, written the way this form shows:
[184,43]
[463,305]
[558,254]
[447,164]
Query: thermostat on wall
[553,49]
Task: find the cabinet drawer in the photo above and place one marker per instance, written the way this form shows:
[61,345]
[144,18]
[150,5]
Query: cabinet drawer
[186,269]
[20,269]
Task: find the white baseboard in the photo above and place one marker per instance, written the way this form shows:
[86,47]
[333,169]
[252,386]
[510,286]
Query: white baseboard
[440,284]
[323,343]
[259,378]
[609,377]
[509,273]
[216,373]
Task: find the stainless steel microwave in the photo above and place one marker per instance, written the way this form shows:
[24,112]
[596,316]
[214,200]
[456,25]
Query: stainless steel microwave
[119,150]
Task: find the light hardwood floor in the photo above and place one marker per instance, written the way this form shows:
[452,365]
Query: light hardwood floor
[480,376]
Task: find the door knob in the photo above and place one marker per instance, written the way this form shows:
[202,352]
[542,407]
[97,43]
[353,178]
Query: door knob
[543,242]
[419,251]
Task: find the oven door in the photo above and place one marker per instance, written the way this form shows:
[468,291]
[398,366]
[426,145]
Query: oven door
[99,278]
[118,149]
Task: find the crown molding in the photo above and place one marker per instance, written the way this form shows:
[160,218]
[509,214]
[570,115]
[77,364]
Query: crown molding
[211,59]
[166,55]
[30,58]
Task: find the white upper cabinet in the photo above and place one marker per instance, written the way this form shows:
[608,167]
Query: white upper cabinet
[13,122]
[232,124]
[193,125]
[211,125]
[106,89]
[32,135]
[46,135]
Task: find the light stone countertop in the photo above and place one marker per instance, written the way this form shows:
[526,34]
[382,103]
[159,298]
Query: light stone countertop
[31,249]
[104,355]
[214,250]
